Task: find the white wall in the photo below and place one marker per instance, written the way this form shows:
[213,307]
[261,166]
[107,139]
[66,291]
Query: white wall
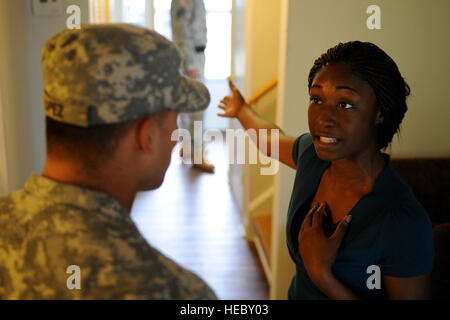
[3,164]
[22,36]
[262,43]
[16,152]
[39,30]
[238,27]
[414,33]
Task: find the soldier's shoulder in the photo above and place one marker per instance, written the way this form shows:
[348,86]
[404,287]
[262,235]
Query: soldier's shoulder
[7,203]
[179,282]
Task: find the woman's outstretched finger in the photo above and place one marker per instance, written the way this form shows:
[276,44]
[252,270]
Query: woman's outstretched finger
[231,85]
[233,89]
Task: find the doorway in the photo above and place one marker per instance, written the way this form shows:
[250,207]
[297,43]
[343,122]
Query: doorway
[155,14]
[217,53]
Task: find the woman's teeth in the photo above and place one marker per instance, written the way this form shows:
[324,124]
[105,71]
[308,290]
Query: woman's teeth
[328,140]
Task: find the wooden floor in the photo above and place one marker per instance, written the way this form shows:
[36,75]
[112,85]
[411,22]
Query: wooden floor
[193,219]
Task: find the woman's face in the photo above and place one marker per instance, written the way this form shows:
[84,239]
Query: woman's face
[342,114]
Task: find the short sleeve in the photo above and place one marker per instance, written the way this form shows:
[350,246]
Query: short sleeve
[407,242]
[300,145]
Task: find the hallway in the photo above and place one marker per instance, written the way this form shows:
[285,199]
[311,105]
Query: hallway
[193,219]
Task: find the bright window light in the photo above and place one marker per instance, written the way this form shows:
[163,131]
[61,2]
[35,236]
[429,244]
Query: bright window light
[215,5]
[218,50]
[218,22]
[134,12]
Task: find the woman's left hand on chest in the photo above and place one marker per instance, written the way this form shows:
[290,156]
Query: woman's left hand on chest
[317,250]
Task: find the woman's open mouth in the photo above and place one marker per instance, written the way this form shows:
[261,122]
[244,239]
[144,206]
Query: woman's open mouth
[326,141]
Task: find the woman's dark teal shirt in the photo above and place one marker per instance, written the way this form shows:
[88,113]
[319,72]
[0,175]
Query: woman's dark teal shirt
[389,229]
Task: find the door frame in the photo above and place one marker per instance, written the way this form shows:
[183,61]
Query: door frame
[4,188]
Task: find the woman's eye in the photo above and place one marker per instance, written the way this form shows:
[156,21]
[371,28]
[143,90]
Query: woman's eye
[315,100]
[345,105]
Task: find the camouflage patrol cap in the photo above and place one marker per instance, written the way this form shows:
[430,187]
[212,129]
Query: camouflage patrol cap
[103,74]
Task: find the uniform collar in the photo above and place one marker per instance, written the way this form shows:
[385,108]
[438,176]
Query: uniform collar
[57,192]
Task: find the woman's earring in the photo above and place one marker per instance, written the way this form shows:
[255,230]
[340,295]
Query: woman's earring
[379,120]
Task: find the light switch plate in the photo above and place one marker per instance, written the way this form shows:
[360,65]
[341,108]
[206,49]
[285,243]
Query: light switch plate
[45,8]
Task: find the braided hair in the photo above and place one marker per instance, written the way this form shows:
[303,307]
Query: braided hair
[373,65]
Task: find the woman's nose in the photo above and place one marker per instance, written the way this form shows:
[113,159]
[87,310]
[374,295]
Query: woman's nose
[327,116]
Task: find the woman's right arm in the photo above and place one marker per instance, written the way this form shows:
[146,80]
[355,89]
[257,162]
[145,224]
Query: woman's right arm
[236,107]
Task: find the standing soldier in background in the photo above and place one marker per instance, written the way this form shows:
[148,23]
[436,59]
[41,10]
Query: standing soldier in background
[189,33]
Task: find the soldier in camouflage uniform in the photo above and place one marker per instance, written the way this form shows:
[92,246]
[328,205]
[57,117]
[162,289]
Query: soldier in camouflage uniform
[188,19]
[98,81]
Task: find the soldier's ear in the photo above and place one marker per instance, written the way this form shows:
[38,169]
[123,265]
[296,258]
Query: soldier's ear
[146,131]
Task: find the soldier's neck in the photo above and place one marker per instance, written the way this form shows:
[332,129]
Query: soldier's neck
[106,180]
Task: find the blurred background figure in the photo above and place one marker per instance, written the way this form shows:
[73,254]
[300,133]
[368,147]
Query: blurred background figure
[188,19]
